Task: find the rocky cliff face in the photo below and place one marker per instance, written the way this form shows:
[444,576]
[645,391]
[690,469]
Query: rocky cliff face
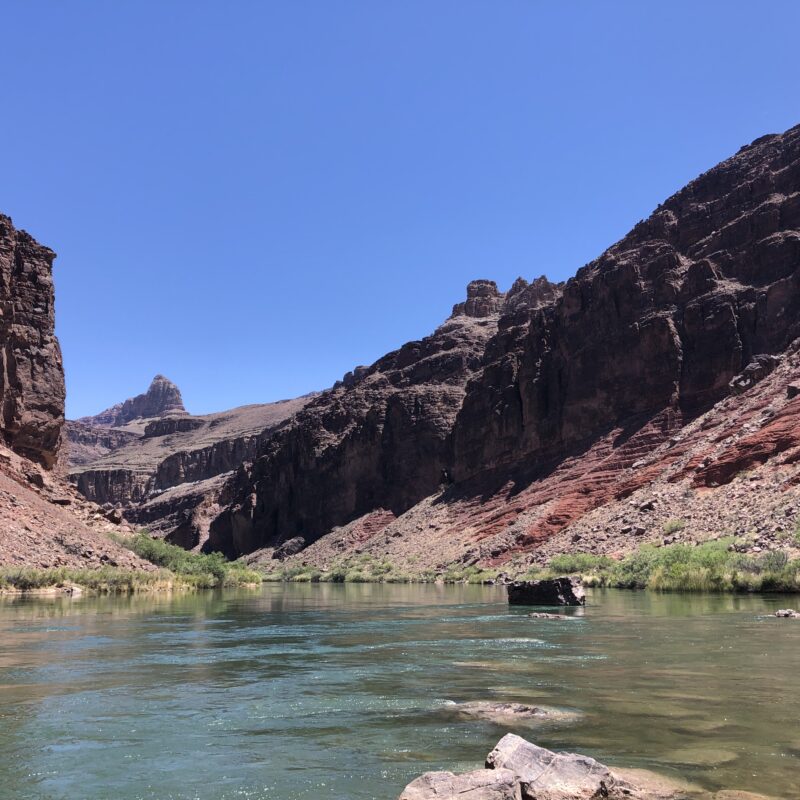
[525,412]
[31,373]
[379,439]
[43,522]
[662,320]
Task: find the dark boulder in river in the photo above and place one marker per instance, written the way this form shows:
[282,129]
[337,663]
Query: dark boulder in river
[564,591]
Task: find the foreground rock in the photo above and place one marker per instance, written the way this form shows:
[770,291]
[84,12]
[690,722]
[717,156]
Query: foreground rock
[518,770]
[564,591]
[481,784]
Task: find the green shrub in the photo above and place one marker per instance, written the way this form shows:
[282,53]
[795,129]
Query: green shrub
[578,563]
[674,525]
[202,570]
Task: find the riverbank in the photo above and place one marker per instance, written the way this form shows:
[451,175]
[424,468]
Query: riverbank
[709,567]
[175,569]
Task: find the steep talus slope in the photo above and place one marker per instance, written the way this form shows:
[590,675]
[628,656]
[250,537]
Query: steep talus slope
[43,521]
[379,439]
[565,396]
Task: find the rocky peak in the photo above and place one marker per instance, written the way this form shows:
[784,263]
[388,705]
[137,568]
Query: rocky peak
[161,399]
[483,300]
[524,296]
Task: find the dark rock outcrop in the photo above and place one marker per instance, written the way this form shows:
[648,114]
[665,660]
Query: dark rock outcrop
[564,591]
[31,372]
[43,521]
[379,440]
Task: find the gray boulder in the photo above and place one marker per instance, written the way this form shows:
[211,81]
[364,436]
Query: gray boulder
[481,784]
[539,770]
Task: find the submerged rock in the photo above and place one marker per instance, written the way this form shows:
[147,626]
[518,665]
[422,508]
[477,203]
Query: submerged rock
[508,713]
[563,591]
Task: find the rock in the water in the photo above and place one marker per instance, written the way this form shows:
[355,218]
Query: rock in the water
[482,784]
[559,774]
[787,612]
[564,591]
[508,713]
[521,770]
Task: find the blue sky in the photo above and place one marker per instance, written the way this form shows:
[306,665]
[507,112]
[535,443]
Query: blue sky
[254,197]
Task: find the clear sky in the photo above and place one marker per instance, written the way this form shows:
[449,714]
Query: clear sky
[254,197]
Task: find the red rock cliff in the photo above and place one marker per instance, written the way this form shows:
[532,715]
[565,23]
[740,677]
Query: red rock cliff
[31,372]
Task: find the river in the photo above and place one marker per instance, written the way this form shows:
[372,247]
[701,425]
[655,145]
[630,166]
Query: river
[349,691]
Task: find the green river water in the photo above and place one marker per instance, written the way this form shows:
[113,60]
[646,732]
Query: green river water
[333,691]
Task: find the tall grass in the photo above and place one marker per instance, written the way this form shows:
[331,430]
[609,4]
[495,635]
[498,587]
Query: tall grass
[105,580]
[712,566]
[179,569]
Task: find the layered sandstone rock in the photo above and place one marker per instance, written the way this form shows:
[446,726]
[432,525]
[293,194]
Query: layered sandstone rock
[525,412]
[31,373]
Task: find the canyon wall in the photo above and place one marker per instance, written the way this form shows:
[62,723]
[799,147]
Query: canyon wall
[31,372]
[513,388]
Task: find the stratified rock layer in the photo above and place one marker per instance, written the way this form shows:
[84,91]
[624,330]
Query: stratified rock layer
[527,411]
[31,373]
[163,471]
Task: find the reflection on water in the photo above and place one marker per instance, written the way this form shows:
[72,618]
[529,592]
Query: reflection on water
[331,691]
